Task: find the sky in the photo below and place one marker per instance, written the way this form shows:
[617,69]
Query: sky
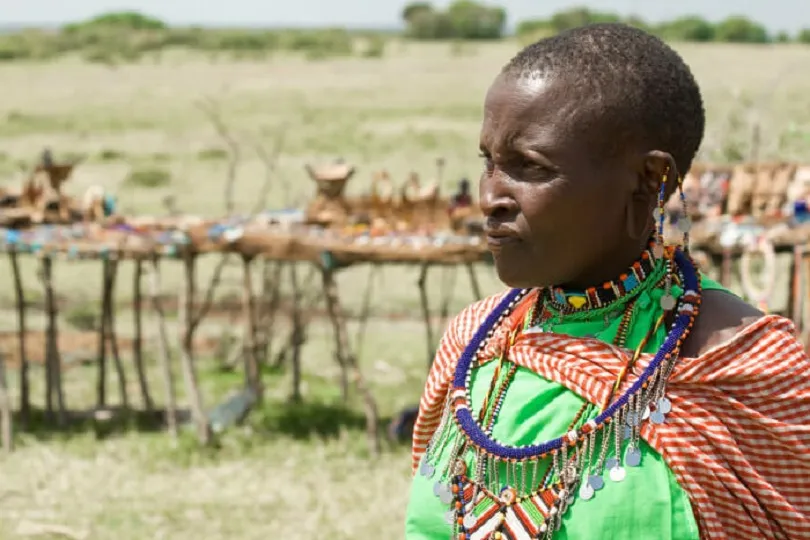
[777,15]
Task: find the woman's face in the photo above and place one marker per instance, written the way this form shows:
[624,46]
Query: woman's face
[557,211]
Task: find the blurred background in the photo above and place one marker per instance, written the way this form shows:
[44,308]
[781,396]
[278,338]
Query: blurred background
[210,108]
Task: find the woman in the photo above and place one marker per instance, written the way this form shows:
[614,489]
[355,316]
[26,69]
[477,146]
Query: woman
[614,392]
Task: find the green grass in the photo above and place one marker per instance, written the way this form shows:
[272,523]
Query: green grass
[297,472]
[292,470]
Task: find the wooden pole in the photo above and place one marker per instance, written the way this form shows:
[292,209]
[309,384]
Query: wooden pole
[25,393]
[5,409]
[476,287]
[343,351]
[163,349]
[726,270]
[45,269]
[112,338]
[448,289]
[795,305]
[297,337]
[53,363]
[271,297]
[423,300]
[365,310]
[101,377]
[805,301]
[137,342]
[251,358]
[187,326]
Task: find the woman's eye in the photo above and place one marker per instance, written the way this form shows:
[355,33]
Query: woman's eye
[536,168]
[530,165]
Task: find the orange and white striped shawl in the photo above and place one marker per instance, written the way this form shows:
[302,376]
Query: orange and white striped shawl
[738,436]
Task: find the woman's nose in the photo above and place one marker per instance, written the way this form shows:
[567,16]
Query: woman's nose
[495,196]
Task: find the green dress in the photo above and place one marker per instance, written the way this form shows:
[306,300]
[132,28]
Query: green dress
[648,504]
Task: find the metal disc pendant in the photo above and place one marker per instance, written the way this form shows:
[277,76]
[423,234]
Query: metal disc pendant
[426,469]
[664,405]
[632,458]
[667,302]
[617,473]
[657,417]
[450,517]
[611,463]
[684,224]
[596,482]
[469,521]
[628,432]
[586,492]
[443,493]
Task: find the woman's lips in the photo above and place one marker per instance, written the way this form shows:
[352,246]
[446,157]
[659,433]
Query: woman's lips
[500,236]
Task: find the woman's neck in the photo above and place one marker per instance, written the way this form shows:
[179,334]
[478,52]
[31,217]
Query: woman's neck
[607,270]
[623,281]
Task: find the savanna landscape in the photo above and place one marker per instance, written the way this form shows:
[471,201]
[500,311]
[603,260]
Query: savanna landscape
[145,128]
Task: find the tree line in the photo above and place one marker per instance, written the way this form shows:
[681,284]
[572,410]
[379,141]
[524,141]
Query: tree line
[124,37]
[469,20]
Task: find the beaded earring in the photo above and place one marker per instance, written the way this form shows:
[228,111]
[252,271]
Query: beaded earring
[658,217]
[684,222]
[668,300]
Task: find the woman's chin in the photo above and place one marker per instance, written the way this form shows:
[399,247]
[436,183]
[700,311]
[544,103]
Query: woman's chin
[515,278]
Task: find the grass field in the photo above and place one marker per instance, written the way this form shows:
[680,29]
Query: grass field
[298,472]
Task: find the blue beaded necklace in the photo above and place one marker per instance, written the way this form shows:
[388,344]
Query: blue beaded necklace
[686,313]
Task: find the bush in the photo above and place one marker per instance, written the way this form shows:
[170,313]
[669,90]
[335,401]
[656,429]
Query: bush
[374,47]
[741,30]
[687,29]
[85,318]
[109,154]
[149,178]
[209,154]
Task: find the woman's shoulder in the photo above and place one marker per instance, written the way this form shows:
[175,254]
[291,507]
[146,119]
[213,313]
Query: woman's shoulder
[726,323]
[722,316]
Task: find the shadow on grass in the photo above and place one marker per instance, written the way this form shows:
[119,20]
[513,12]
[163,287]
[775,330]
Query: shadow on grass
[309,419]
[302,420]
[102,423]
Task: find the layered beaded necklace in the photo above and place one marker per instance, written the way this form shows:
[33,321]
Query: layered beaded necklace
[502,494]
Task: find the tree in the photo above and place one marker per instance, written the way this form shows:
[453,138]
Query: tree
[580,16]
[471,20]
[414,10]
[690,28]
[123,20]
[738,29]
[464,19]
[804,36]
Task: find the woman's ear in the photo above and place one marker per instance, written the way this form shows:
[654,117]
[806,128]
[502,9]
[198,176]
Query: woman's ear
[656,165]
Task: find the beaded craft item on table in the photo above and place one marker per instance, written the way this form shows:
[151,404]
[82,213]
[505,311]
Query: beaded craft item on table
[525,504]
